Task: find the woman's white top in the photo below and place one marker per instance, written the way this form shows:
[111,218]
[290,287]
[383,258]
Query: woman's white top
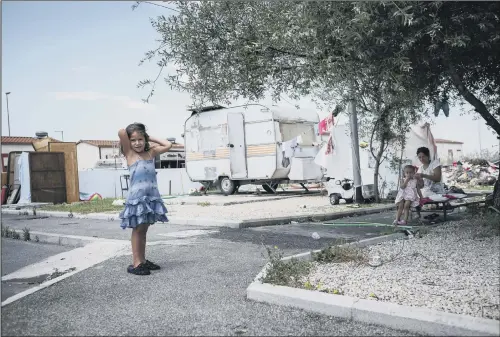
[436,187]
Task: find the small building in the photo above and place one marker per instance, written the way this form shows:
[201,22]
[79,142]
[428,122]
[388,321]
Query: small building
[105,153]
[449,151]
[12,144]
[90,152]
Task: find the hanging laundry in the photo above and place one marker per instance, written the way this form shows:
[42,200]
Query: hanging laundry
[321,159]
[322,127]
[329,145]
[325,153]
[325,125]
[289,147]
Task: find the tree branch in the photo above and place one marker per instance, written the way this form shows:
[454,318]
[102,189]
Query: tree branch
[152,3]
[479,106]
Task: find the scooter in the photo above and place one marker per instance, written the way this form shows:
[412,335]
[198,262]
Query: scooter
[344,189]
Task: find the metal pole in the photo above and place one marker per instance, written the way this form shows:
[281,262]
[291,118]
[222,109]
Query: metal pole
[355,149]
[8,115]
[62,135]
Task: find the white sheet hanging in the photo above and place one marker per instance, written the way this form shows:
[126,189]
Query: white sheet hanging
[289,147]
[23,166]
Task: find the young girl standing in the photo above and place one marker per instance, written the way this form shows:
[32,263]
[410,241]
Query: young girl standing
[144,205]
[409,195]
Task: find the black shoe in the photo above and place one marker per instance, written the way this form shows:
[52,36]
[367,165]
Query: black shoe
[139,270]
[151,266]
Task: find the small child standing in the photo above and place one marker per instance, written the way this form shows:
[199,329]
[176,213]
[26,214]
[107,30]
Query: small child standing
[144,205]
[409,195]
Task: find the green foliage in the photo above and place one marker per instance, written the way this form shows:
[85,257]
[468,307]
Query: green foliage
[224,50]
[285,273]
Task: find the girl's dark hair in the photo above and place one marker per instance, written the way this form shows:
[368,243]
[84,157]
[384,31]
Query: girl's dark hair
[140,128]
[410,166]
[424,151]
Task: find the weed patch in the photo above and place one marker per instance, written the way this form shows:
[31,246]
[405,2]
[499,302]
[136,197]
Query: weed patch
[341,252]
[285,273]
[58,273]
[26,234]
[85,207]
[10,233]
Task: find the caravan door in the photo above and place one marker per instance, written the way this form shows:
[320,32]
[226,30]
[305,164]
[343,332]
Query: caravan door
[236,143]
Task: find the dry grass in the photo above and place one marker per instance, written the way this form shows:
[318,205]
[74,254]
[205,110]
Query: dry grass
[85,207]
[340,252]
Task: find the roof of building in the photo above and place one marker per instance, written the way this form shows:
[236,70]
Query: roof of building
[446,141]
[113,143]
[22,140]
[100,143]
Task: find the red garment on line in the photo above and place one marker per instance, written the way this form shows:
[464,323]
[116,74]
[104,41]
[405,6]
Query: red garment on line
[325,125]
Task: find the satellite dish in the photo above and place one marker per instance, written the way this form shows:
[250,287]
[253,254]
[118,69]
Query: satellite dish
[41,134]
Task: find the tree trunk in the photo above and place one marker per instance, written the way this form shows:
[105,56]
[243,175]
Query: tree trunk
[496,193]
[375,180]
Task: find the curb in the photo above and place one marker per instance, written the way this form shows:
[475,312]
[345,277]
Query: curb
[414,319]
[54,214]
[313,217]
[115,217]
[63,239]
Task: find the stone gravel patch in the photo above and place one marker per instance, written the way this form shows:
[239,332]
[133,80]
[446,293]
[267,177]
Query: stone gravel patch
[307,205]
[455,268]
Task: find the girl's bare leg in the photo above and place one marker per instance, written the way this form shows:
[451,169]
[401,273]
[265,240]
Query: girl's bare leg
[143,243]
[400,210]
[407,205]
[139,244]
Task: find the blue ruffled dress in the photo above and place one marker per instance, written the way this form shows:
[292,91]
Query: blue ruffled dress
[144,204]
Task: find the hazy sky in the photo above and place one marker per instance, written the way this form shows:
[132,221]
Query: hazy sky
[73,66]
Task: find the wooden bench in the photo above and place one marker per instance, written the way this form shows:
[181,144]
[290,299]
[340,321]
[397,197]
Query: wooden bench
[446,207]
[442,206]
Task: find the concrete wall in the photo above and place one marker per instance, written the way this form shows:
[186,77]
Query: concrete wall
[106,182]
[444,149]
[87,155]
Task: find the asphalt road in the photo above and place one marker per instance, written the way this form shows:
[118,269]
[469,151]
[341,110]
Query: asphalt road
[201,290]
[17,254]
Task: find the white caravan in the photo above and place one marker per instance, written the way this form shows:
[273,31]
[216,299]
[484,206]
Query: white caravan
[251,144]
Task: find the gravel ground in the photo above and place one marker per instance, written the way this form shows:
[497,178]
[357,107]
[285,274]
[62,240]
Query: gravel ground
[454,268]
[261,210]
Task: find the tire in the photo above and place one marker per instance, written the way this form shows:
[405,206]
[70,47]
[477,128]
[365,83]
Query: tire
[270,190]
[227,186]
[334,199]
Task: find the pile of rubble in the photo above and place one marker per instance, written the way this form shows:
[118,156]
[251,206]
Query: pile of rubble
[473,173]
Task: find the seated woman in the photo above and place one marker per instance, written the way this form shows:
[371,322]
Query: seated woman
[429,175]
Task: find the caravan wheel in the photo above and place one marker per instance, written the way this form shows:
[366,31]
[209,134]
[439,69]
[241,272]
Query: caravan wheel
[227,186]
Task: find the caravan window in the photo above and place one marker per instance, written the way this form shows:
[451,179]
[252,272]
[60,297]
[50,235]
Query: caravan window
[289,131]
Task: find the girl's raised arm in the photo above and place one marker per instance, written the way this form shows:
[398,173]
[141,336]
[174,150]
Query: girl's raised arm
[163,146]
[124,142]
